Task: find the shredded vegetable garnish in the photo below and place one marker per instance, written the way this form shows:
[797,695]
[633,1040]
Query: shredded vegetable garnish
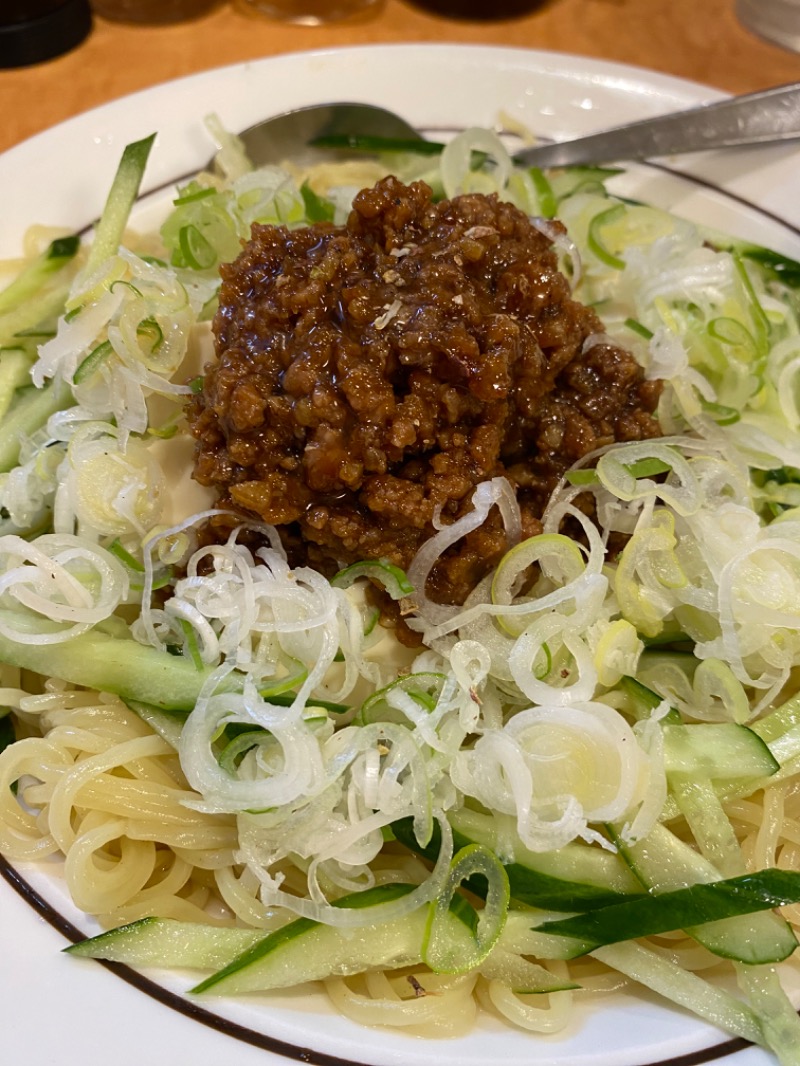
[249,774]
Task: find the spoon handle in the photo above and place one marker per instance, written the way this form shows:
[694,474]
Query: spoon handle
[758,118]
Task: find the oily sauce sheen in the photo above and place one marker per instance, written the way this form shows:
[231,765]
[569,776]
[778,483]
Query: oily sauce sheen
[370,375]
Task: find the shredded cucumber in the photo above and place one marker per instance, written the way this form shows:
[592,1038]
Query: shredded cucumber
[576,877]
[248,960]
[683,908]
[664,863]
[167,943]
[121,198]
[684,988]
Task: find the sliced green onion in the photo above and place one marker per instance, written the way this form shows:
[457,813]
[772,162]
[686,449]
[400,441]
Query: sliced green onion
[149,328]
[154,260]
[548,205]
[196,251]
[585,476]
[550,551]
[159,582]
[731,331]
[192,197]
[317,208]
[541,672]
[166,431]
[36,334]
[720,412]
[424,688]
[191,644]
[126,284]
[595,241]
[116,548]
[92,361]
[760,320]
[286,684]
[238,747]
[638,327]
[458,947]
[287,699]
[649,467]
[567,181]
[391,577]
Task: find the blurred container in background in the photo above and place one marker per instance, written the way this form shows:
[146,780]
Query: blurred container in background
[152,11]
[308,12]
[32,31]
[777,20]
[478,10]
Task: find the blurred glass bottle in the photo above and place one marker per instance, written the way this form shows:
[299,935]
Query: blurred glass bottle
[478,10]
[152,11]
[308,12]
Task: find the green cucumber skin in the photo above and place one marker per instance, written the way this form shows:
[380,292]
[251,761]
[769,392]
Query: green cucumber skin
[644,700]
[312,952]
[662,863]
[110,663]
[534,888]
[30,412]
[250,957]
[683,908]
[277,961]
[717,750]
[121,197]
[708,748]
[165,942]
[254,961]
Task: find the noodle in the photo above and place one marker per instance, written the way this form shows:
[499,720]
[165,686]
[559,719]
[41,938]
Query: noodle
[539,1014]
[107,795]
[429,1007]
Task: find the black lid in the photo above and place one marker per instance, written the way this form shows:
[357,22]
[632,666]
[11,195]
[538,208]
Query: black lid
[35,30]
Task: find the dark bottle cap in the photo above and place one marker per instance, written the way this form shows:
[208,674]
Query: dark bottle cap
[32,31]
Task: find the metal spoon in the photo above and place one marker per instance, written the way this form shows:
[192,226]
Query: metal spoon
[757,118]
[289,136]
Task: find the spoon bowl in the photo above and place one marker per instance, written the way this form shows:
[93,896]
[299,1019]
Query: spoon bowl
[291,135]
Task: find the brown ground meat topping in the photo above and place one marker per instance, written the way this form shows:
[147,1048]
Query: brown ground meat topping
[371,375]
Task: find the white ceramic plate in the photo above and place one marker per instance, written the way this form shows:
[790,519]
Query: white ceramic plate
[55,1008]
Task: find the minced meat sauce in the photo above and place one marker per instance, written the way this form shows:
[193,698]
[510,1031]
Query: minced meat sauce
[370,375]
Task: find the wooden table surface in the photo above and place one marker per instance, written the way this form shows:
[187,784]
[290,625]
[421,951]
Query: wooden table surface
[697,39]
